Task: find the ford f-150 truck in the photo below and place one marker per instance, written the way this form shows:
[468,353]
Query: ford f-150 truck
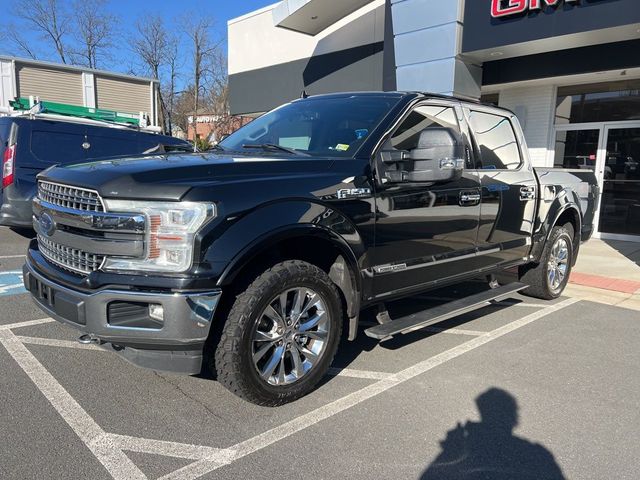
[253,258]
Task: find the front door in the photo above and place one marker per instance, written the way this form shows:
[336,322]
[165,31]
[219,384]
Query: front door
[425,232]
[619,172]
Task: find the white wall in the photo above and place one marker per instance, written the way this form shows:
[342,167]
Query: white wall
[7,83]
[535,108]
[255,42]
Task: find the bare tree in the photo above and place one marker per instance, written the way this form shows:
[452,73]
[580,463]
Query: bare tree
[94,32]
[14,37]
[50,19]
[152,45]
[173,65]
[204,49]
[183,109]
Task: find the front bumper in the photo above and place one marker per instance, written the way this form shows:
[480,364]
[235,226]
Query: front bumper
[175,345]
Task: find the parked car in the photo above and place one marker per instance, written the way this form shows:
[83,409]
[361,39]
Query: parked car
[29,146]
[255,256]
[631,168]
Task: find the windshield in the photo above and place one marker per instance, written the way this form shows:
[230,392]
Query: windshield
[317,127]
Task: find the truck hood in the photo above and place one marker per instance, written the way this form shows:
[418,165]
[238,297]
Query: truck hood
[170,177]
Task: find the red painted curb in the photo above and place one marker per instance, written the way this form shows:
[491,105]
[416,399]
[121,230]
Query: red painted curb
[606,283]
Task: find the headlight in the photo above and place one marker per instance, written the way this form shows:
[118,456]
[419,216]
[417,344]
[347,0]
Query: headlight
[171,230]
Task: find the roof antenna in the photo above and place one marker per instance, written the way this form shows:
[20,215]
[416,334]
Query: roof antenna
[304,94]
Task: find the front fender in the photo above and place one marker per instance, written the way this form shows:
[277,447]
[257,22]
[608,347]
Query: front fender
[231,246]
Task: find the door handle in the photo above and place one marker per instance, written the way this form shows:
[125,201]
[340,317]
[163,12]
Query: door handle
[469,199]
[527,193]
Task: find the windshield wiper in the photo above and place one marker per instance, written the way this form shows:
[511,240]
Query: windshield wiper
[272,146]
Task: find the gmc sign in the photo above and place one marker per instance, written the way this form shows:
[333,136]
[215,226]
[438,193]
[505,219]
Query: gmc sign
[505,8]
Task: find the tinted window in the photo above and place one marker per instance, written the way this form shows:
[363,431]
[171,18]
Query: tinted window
[490,99]
[321,126]
[57,147]
[432,116]
[600,102]
[496,141]
[576,149]
[114,144]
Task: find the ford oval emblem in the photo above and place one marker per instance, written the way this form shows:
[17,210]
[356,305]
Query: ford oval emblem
[47,224]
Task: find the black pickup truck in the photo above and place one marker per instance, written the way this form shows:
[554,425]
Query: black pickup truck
[253,258]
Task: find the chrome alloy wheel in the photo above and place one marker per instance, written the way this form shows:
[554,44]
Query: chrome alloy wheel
[558,263]
[291,336]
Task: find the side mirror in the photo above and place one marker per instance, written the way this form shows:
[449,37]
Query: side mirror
[439,157]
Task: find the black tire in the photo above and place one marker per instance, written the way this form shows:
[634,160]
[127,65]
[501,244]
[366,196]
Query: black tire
[233,362]
[537,275]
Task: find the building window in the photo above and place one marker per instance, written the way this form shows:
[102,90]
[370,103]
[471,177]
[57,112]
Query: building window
[490,99]
[576,149]
[599,102]
[496,141]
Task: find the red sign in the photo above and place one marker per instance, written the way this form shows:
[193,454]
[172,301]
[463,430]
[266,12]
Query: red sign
[505,8]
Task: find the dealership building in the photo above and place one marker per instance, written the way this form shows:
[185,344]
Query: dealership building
[569,69]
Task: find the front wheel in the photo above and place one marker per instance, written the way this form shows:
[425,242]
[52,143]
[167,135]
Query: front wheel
[281,335]
[548,279]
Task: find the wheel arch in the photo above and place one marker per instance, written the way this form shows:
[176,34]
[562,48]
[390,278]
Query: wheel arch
[311,243]
[569,214]
[561,211]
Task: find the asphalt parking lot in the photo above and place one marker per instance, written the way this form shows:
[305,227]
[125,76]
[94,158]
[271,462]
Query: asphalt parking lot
[520,389]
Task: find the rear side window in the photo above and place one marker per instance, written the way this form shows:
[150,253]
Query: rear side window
[112,144]
[496,141]
[57,147]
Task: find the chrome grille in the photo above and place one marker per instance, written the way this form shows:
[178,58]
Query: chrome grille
[69,258]
[67,196]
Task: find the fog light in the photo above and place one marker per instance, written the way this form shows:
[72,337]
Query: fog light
[156,312]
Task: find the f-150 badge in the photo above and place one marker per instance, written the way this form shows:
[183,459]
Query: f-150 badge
[354,193]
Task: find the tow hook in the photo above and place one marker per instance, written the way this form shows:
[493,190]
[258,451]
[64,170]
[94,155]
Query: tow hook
[88,339]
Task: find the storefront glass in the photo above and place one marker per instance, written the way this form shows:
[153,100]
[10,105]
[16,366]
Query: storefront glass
[601,102]
[620,206]
[576,149]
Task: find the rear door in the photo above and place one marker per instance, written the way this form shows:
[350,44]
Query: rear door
[43,143]
[509,186]
[47,143]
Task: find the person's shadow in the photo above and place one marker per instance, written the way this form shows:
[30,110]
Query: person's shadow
[489,450]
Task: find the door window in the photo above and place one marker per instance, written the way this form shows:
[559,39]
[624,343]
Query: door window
[57,147]
[432,116]
[496,141]
[112,143]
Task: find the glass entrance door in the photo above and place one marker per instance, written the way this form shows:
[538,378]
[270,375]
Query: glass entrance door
[620,179]
[577,147]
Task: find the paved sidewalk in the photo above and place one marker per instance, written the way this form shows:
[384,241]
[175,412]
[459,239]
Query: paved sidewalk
[608,271]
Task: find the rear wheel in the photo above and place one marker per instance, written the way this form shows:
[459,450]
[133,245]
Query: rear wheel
[281,335]
[548,279]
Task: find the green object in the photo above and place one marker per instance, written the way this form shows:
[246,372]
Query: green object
[22,104]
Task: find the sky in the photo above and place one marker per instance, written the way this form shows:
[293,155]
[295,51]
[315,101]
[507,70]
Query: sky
[130,10]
